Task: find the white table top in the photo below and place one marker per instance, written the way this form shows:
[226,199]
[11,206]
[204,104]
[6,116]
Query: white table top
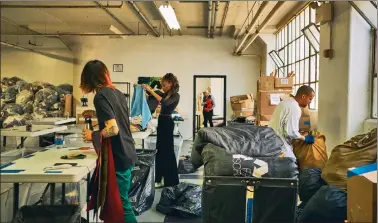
[76,129]
[141,135]
[37,130]
[53,121]
[34,167]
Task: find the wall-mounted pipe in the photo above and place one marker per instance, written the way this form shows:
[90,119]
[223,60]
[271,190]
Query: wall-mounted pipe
[144,18]
[213,28]
[61,6]
[70,34]
[224,17]
[251,26]
[165,22]
[263,25]
[209,20]
[114,17]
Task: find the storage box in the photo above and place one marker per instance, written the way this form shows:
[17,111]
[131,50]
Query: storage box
[283,82]
[268,100]
[243,113]
[362,194]
[304,124]
[242,102]
[68,105]
[265,117]
[266,83]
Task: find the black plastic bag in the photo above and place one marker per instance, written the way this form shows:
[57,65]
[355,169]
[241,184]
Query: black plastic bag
[10,94]
[142,191]
[66,87]
[45,98]
[13,109]
[28,107]
[185,165]
[23,85]
[183,200]
[24,97]
[57,106]
[48,214]
[328,205]
[310,181]
[16,120]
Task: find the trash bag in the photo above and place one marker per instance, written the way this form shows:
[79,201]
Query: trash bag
[2,104]
[252,141]
[28,107]
[57,106]
[311,155]
[24,96]
[66,87]
[3,115]
[185,165]
[39,115]
[23,85]
[358,151]
[218,162]
[66,213]
[142,191]
[54,114]
[10,94]
[310,181]
[37,86]
[15,120]
[13,109]
[328,205]
[183,200]
[4,81]
[45,98]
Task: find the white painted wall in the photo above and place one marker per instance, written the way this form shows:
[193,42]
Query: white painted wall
[202,84]
[184,56]
[217,90]
[270,44]
[344,80]
[35,67]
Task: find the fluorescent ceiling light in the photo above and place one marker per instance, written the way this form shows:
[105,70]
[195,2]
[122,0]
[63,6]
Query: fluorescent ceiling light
[277,60]
[169,16]
[312,34]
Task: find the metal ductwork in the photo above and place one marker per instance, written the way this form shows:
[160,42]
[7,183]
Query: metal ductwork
[165,22]
[61,6]
[251,26]
[114,17]
[209,20]
[213,28]
[144,18]
[224,17]
[263,25]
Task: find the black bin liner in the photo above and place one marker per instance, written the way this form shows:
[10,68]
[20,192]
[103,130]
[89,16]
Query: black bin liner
[185,165]
[142,191]
[182,200]
[48,214]
[310,181]
[328,205]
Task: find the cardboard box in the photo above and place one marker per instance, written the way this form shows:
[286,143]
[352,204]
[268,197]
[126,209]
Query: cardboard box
[305,112]
[265,117]
[362,194]
[242,102]
[68,105]
[243,113]
[305,124]
[283,82]
[263,123]
[268,101]
[266,83]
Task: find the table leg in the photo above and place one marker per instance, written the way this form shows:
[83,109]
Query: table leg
[16,191]
[22,142]
[4,141]
[52,193]
[142,144]
[63,192]
[88,192]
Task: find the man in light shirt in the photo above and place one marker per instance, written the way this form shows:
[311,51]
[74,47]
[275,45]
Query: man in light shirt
[285,119]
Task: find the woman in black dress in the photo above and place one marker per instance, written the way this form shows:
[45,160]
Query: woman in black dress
[166,165]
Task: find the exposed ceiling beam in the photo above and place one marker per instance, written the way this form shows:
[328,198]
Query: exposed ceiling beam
[263,25]
[32,31]
[165,22]
[300,7]
[224,17]
[210,3]
[201,27]
[144,18]
[70,34]
[213,28]
[115,18]
[251,26]
[61,6]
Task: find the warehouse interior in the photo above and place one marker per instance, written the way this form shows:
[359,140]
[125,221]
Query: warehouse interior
[248,55]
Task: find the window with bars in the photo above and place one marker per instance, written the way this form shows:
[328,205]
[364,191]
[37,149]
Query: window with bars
[374,79]
[298,54]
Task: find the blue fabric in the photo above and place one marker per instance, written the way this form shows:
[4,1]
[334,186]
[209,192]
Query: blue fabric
[362,170]
[139,106]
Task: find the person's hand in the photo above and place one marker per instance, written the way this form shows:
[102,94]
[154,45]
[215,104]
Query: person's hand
[88,113]
[147,87]
[87,135]
[309,139]
[134,85]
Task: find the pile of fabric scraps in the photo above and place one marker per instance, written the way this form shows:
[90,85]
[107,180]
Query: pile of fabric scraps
[136,124]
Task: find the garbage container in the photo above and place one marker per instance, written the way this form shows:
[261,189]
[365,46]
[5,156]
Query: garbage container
[48,214]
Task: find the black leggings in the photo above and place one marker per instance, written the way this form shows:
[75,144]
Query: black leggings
[166,165]
[208,117]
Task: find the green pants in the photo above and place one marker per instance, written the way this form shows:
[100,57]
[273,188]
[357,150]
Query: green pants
[124,184]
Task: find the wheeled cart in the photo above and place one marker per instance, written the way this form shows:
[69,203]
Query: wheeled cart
[249,200]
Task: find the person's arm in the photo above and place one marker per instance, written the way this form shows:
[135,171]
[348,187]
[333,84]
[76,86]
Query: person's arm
[292,127]
[171,103]
[152,92]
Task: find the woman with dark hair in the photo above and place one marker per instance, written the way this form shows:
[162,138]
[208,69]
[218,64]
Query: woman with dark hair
[166,165]
[114,144]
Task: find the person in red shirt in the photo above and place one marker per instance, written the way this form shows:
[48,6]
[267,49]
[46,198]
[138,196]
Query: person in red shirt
[208,106]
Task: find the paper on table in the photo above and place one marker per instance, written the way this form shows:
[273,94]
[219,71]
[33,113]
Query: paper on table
[275,99]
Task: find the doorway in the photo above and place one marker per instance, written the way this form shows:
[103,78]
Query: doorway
[215,86]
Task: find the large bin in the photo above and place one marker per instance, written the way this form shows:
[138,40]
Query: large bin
[48,214]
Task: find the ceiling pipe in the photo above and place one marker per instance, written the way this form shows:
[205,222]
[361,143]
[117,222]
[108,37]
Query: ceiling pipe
[209,20]
[213,28]
[263,25]
[71,34]
[165,22]
[61,6]
[144,18]
[224,17]
[114,17]
[251,26]
[30,30]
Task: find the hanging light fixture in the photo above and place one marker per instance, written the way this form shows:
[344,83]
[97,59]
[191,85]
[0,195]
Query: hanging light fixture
[312,34]
[277,60]
[169,16]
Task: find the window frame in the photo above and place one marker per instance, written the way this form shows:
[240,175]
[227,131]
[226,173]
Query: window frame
[373,73]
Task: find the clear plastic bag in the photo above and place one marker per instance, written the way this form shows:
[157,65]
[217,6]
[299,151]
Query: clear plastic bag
[10,94]
[13,109]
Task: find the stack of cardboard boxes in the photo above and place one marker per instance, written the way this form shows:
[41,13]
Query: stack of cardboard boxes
[270,91]
[242,105]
